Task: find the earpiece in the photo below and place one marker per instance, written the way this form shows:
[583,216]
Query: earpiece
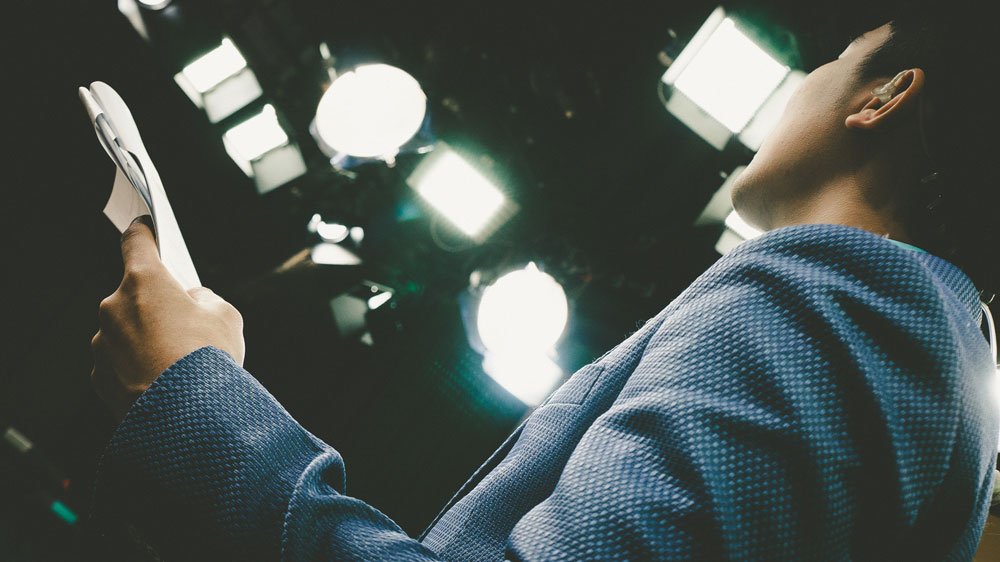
[885,92]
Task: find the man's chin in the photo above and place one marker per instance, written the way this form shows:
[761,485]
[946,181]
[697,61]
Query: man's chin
[748,200]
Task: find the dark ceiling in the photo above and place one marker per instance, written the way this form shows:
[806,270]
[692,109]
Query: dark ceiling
[557,101]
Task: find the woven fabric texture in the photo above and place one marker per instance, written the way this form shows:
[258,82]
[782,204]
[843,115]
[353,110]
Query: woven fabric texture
[818,394]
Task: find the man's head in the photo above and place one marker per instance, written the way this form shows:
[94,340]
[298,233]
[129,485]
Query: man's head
[844,154]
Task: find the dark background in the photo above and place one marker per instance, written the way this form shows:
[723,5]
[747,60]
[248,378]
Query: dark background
[558,101]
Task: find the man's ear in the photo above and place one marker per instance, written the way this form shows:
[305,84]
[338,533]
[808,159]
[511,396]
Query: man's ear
[904,93]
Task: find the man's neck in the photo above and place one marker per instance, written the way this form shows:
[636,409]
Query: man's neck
[844,203]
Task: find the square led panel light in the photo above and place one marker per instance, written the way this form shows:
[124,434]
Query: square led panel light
[723,73]
[262,149]
[209,70]
[220,82]
[730,77]
[254,137]
[741,227]
[737,231]
[769,115]
[460,192]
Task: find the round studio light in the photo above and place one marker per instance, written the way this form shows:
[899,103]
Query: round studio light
[529,378]
[523,312]
[154,4]
[371,111]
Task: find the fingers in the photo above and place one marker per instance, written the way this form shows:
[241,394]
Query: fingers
[139,250]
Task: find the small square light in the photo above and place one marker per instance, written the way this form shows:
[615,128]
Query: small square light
[741,227]
[262,149]
[219,82]
[213,67]
[737,231]
[769,115]
[460,192]
[256,136]
[730,77]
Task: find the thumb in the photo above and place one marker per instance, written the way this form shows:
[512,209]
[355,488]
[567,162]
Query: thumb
[139,244]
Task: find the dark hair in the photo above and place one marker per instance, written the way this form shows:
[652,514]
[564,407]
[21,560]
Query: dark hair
[952,214]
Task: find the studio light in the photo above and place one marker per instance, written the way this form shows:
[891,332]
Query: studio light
[737,231]
[257,135]
[721,80]
[379,299]
[154,4]
[523,311]
[261,148]
[741,227]
[357,234]
[529,378]
[721,204]
[130,9]
[461,193]
[327,253]
[331,249]
[730,77]
[770,113]
[213,67]
[331,232]
[351,309]
[219,81]
[520,319]
[370,112]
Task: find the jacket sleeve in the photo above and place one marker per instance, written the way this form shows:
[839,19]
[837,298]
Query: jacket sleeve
[784,412]
[207,465]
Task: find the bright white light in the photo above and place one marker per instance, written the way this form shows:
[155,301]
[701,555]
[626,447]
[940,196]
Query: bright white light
[730,77]
[371,111]
[215,66]
[530,378]
[325,253]
[332,232]
[523,312]
[155,4]
[256,136]
[769,115]
[357,234]
[521,317]
[379,299]
[741,227]
[459,192]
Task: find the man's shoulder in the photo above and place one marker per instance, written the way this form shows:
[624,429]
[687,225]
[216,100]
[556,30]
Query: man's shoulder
[840,259]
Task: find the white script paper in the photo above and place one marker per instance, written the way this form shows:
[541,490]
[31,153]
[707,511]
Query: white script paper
[142,193]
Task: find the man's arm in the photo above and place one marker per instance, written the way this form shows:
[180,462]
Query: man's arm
[206,464]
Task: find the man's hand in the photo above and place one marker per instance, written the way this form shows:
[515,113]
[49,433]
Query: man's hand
[150,322]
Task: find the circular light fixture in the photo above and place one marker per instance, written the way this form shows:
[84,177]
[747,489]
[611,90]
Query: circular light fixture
[371,111]
[523,312]
[530,378]
[154,4]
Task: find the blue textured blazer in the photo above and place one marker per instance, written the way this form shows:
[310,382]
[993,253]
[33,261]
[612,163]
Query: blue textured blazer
[820,393]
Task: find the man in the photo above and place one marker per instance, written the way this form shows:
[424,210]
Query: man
[819,393]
